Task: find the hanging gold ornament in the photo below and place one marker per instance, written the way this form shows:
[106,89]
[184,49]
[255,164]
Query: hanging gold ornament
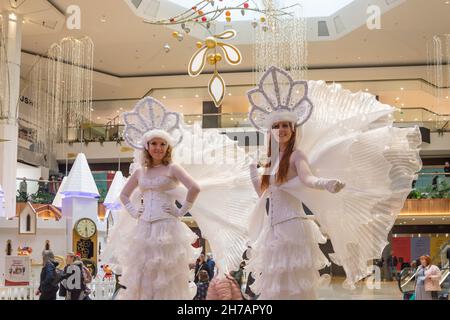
[216,86]
[199,44]
[211,59]
[210,42]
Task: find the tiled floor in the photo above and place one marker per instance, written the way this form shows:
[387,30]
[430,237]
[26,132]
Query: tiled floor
[335,291]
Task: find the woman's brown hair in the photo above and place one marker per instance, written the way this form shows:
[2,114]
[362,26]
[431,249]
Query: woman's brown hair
[148,160]
[281,175]
[426,258]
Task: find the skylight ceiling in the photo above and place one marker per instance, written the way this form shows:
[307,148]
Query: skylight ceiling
[310,8]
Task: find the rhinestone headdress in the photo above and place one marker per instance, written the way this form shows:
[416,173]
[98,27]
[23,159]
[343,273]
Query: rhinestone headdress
[150,119]
[279,98]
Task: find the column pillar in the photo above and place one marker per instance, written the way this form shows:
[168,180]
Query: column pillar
[10,90]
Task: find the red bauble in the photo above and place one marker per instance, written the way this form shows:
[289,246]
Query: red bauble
[204,19]
[246,5]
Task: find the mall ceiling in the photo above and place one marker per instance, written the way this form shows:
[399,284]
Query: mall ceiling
[125,46]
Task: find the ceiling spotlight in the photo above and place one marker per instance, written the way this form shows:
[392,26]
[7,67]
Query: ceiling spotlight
[181,106]
[197,96]
[397,99]
[402,89]
[164,97]
[402,104]
[98,118]
[447,2]
[446,97]
[367,89]
[92,109]
[103,19]
[229,94]
[121,109]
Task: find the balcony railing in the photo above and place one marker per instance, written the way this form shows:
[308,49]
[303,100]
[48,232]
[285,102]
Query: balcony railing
[114,131]
[44,191]
[430,185]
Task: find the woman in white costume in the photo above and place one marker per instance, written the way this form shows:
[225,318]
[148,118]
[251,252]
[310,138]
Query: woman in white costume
[337,153]
[157,265]
[149,244]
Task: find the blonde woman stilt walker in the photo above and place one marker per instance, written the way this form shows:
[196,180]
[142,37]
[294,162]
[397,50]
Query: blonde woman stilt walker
[149,243]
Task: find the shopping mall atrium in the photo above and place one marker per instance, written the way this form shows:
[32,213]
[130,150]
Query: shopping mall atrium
[137,144]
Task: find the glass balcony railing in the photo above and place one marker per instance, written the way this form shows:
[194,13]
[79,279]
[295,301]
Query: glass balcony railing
[103,133]
[423,117]
[44,191]
[113,131]
[431,184]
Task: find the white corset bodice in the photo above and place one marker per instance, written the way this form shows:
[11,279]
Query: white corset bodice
[283,206]
[156,199]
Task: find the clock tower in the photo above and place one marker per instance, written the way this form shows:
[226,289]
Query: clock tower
[79,205]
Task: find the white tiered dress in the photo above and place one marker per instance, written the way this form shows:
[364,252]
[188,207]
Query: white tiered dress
[155,261]
[286,257]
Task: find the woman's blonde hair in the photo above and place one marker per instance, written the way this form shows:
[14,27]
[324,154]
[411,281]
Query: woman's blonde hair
[147,160]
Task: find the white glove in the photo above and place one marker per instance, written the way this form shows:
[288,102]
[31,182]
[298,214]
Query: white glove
[132,210]
[178,212]
[331,185]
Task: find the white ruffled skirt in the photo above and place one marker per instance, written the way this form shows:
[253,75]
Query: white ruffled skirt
[156,264]
[285,261]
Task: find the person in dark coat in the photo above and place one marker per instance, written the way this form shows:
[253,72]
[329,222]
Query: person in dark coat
[202,285]
[392,262]
[211,264]
[48,286]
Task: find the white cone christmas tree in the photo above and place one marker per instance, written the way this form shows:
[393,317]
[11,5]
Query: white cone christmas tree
[80,182]
[112,198]
[57,201]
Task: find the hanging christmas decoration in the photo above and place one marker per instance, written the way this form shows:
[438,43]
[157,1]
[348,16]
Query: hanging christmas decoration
[438,73]
[280,42]
[60,88]
[207,53]
[207,11]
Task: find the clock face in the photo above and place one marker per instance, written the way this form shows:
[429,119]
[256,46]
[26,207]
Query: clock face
[86,228]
